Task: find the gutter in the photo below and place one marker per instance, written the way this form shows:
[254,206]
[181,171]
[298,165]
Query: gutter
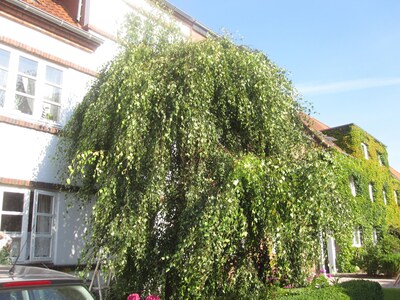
[40,13]
[196,26]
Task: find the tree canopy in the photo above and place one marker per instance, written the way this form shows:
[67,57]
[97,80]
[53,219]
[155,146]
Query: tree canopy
[205,182]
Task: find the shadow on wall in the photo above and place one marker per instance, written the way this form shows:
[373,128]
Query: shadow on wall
[72,229]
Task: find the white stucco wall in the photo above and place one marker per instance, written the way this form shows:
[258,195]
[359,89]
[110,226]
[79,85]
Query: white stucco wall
[27,154]
[69,240]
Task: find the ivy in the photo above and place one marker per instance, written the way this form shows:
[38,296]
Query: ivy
[368,215]
[204,180]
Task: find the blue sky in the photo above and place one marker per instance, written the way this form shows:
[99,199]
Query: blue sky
[343,56]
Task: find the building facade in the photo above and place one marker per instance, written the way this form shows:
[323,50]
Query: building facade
[50,51]
[372,188]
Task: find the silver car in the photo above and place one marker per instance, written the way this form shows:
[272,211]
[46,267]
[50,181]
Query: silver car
[33,283]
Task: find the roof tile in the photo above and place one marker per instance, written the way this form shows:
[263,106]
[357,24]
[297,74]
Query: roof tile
[55,8]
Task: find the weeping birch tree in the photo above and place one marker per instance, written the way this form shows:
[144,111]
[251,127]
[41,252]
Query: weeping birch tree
[205,182]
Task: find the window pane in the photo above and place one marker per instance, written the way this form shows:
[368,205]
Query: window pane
[27,66]
[45,204]
[26,85]
[43,224]
[11,223]
[13,201]
[53,76]
[2,98]
[4,58]
[42,247]
[15,247]
[52,93]
[24,104]
[50,111]
[3,78]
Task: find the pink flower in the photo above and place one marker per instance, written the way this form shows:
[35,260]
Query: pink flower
[133,297]
[152,297]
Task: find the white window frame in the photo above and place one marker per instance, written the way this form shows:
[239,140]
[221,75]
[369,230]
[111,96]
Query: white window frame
[17,235]
[396,197]
[357,237]
[39,97]
[27,235]
[371,192]
[35,215]
[384,197]
[365,150]
[352,186]
[374,236]
[380,160]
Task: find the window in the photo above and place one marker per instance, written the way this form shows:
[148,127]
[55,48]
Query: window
[352,186]
[28,217]
[371,191]
[380,158]
[4,62]
[374,236]
[29,86]
[357,237]
[365,150]
[395,197]
[384,197]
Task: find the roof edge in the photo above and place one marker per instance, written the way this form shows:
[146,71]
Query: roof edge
[56,21]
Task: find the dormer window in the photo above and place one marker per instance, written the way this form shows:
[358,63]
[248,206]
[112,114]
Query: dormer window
[371,192]
[352,186]
[365,150]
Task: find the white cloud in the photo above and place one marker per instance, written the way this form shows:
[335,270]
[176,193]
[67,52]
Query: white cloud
[350,85]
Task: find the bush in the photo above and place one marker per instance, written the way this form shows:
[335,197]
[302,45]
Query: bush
[362,290]
[369,259]
[390,264]
[327,293]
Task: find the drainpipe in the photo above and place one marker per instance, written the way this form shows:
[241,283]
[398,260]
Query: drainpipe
[78,14]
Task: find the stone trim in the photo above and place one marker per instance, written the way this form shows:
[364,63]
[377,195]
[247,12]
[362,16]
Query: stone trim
[30,125]
[36,184]
[46,56]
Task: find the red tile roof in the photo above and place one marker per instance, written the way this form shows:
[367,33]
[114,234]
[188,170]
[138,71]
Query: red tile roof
[55,8]
[316,124]
[395,173]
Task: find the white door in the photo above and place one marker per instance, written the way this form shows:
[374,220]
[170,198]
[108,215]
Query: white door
[42,230]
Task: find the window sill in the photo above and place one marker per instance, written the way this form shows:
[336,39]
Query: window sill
[43,126]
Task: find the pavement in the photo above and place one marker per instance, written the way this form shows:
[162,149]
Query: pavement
[383,281]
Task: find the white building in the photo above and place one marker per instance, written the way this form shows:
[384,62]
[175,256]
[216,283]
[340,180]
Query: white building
[49,53]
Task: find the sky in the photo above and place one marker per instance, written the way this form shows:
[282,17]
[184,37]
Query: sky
[343,56]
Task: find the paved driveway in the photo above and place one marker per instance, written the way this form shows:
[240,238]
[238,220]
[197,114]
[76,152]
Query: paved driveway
[384,282]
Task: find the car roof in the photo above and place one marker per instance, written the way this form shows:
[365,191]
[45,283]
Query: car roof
[28,273]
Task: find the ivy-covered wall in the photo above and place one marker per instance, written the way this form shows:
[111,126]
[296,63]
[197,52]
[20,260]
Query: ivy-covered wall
[350,137]
[368,215]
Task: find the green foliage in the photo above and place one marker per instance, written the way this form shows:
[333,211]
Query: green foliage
[362,289]
[319,281]
[369,216]
[391,293]
[205,183]
[390,264]
[327,293]
[5,256]
[370,259]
